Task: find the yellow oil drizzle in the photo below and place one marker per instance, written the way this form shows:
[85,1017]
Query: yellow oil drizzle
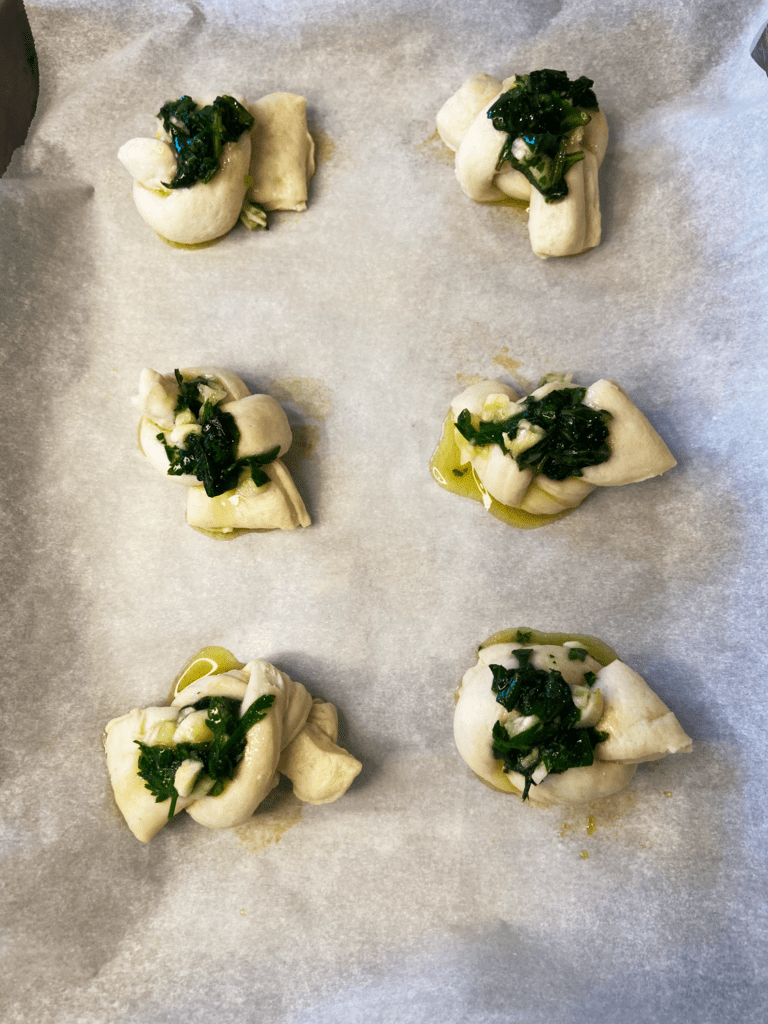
[452,476]
[518,204]
[596,648]
[190,245]
[276,815]
[324,146]
[209,661]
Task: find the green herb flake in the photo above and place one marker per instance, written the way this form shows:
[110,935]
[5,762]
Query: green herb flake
[256,462]
[158,764]
[543,109]
[198,135]
[553,740]
[577,654]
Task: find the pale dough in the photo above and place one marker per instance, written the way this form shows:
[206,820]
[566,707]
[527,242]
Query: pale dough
[637,451]
[641,726]
[566,227]
[283,152]
[263,427]
[270,165]
[297,737]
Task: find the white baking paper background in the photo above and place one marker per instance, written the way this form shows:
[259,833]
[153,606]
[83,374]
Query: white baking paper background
[421,896]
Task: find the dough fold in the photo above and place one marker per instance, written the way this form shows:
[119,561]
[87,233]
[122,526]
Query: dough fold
[637,451]
[283,152]
[256,775]
[143,815]
[193,215]
[458,112]
[274,506]
[640,725]
[319,769]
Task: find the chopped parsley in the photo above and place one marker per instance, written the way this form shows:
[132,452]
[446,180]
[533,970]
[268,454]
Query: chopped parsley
[551,739]
[576,436]
[210,454]
[219,758]
[542,109]
[198,135]
[577,654]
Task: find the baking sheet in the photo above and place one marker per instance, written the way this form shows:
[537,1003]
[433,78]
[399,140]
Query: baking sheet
[421,895]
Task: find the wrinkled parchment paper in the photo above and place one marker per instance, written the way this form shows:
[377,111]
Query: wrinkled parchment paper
[420,896]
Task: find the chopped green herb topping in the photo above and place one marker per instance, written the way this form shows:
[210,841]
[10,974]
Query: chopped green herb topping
[542,109]
[210,454]
[158,764]
[551,739]
[198,136]
[523,636]
[576,436]
[577,654]
[189,393]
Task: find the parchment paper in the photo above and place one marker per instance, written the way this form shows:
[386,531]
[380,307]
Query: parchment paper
[421,896]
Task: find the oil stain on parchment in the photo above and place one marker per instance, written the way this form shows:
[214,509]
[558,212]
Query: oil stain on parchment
[278,813]
[324,146]
[435,146]
[505,361]
[311,395]
[512,366]
[313,398]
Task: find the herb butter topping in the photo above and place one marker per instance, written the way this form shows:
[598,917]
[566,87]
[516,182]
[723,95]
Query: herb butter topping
[209,440]
[540,114]
[555,435]
[198,135]
[215,759]
[549,724]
